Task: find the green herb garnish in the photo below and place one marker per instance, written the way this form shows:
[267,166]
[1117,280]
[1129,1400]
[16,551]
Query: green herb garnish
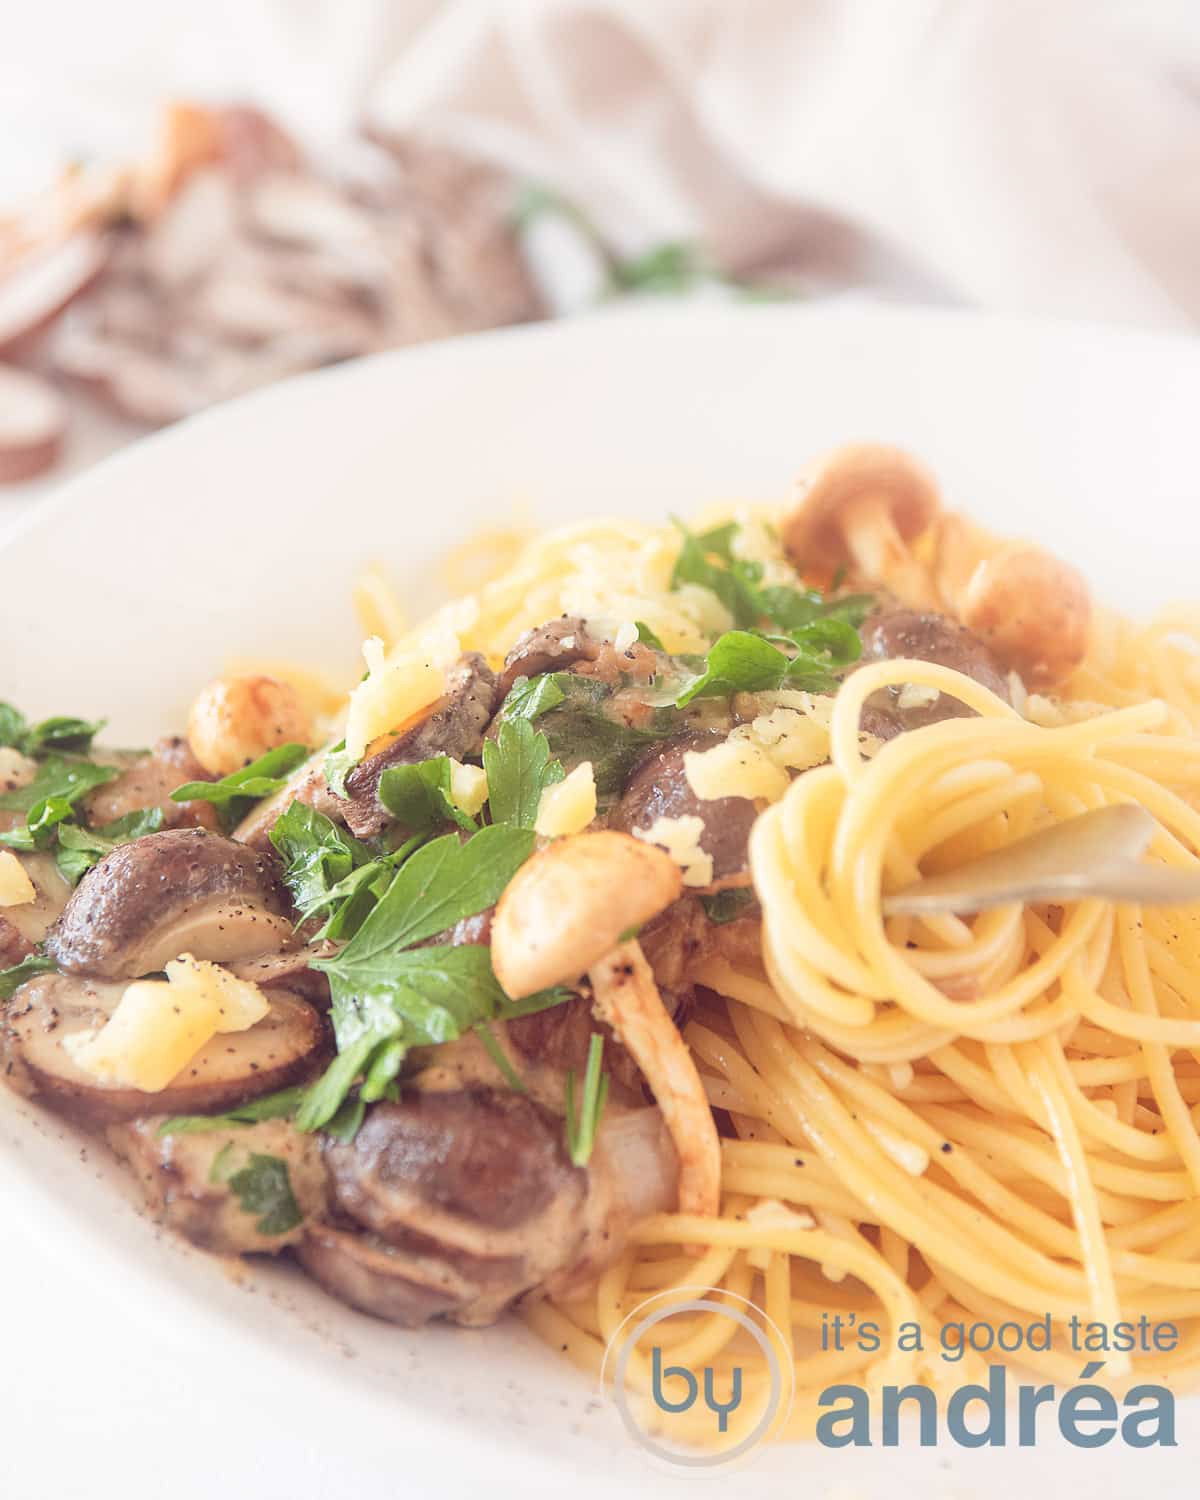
[58,778]
[81,848]
[581,1127]
[727,906]
[235,794]
[38,740]
[277,1106]
[743,661]
[418,796]
[31,965]
[519,769]
[317,855]
[263,1187]
[491,1045]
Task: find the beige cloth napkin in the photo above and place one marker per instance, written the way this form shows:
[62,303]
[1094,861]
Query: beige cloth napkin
[1030,156]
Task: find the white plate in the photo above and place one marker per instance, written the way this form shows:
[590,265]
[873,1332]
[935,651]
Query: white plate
[132,1365]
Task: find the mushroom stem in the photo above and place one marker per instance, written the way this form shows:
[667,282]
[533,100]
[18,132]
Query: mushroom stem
[879,553]
[627,998]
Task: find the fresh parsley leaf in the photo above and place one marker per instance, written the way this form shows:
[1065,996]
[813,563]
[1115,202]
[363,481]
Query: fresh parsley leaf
[58,777]
[346,1122]
[30,965]
[81,848]
[734,582]
[418,796]
[57,734]
[581,1127]
[743,661]
[277,1106]
[263,1187]
[338,765]
[234,794]
[578,725]
[436,887]
[519,769]
[530,696]
[317,855]
[648,637]
[727,906]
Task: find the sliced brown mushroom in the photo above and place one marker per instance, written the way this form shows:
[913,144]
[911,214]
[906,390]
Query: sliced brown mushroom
[861,506]
[453,726]
[148,781]
[183,1191]
[552,647]
[181,891]
[466,1199]
[34,919]
[35,290]
[889,634]
[33,423]
[230,1069]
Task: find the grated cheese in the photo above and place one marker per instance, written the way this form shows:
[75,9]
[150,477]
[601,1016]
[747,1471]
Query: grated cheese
[160,1025]
[737,768]
[468,787]
[569,806]
[394,690]
[16,888]
[680,837]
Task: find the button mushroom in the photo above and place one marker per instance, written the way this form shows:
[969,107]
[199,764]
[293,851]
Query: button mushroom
[465,1199]
[861,506]
[1032,609]
[234,720]
[230,1069]
[183,890]
[572,903]
[185,1180]
[891,634]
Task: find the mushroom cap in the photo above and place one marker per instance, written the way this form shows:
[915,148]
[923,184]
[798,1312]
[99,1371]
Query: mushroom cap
[1033,610]
[182,890]
[812,529]
[572,903]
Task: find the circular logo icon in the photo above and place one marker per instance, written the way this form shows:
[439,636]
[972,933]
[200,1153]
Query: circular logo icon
[651,1385]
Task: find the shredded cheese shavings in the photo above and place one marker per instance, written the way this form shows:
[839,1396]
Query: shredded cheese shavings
[468,787]
[397,689]
[16,888]
[680,837]
[160,1025]
[569,806]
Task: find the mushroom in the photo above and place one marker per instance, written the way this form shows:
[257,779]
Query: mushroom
[185,1179]
[1033,610]
[33,423]
[453,726]
[572,903]
[234,720]
[230,1069]
[41,284]
[862,505]
[148,781]
[627,997]
[183,890]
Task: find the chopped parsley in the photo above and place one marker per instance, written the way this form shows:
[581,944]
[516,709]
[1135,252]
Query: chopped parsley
[51,735]
[30,965]
[519,769]
[581,1125]
[235,794]
[747,661]
[419,797]
[317,855]
[263,1188]
[81,848]
[277,1106]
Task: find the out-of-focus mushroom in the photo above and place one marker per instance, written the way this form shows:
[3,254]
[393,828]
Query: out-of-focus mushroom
[234,720]
[861,507]
[189,136]
[33,422]
[232,1068]
[181,891]
[572,903]
[148,781]
[185,1180]
[1033,610]
[36,289]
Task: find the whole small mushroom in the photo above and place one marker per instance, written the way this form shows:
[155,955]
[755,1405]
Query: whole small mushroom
[1033,610]
[861,507]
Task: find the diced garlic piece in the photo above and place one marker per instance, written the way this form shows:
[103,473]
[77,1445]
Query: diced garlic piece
[468,787]
[159,1025]
[680,837]
[16,888]
[392,693]
[626,635]
[569,806]
[738,768]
